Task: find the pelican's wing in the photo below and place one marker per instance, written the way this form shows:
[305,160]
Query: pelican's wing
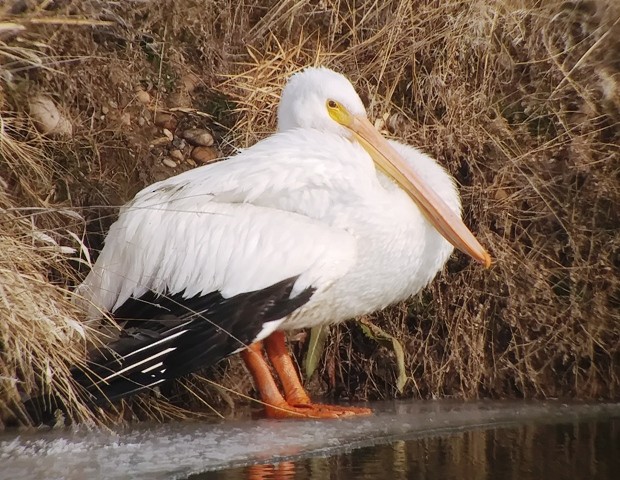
[235,226]
[213,247]
[199,285]
[220,255]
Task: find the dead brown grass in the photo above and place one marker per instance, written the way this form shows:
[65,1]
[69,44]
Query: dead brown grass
[40,332]
[518,99]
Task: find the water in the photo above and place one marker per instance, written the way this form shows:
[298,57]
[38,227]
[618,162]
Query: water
[589,451]
[437,439]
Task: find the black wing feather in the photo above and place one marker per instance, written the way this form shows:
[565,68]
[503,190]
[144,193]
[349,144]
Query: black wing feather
[186,333]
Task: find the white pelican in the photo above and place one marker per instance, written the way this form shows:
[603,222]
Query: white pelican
[321,222]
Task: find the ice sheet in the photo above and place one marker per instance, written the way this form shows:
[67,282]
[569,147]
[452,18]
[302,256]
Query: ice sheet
[176,450]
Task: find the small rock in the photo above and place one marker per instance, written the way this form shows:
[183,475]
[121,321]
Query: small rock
[168,134]
[198,137]
[166,120]
[159,141]
[189,161]
[141,121]
[179,143]
[47,118]
[168,162]
[125,119]
[143,96]
[105,110]
[177,154]
[204,154]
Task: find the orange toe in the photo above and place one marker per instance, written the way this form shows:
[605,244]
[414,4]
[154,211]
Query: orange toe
[345,411]
[313,410]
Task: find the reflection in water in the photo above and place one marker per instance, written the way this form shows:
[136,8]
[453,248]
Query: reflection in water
[277,471]
[528,452]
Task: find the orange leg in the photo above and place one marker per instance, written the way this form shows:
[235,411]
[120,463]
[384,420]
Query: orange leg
[263,380]
[275,404]
[299,403]
[278,355]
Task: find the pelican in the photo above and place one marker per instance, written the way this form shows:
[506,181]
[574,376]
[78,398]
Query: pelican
[321,222]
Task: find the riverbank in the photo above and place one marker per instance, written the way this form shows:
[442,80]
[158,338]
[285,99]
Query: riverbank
[519,102]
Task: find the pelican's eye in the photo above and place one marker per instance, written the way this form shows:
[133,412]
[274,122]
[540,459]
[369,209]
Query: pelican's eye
[338,113]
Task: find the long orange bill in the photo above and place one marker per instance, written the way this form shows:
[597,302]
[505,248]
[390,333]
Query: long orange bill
[435,209]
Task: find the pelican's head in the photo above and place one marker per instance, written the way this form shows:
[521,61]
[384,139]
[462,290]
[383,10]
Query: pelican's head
[321,99]
[305,101]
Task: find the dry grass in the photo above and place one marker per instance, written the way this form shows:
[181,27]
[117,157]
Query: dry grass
[520,100]
[40,335]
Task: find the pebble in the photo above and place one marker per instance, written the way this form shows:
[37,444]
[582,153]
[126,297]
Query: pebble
[143,97]
[47,118]
[179,143]
[166,120]
[204,154]
[168,134]
[177,154]
[198,137]
[180,98]
[159,141]
[168,162]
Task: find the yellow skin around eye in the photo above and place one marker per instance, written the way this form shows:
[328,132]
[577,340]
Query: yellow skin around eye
[338,113]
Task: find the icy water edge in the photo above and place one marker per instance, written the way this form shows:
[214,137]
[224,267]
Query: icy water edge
[434,439]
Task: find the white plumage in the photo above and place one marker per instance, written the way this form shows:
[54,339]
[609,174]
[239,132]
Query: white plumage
[239,225]
[302,202]
[307,202]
